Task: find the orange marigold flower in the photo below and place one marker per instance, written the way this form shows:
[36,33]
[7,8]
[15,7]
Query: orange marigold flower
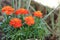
[21,11]
[29,20]
[15,22]
[38,14]
[8,10]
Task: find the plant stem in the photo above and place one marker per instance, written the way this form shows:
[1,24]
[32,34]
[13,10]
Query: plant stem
[19,4]
[16,4]
[13,3]
[32,8]
[19,38]
[52,20]
[28,3]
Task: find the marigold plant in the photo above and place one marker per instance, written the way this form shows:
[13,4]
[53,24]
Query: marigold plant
[38,14]
[8,10]
[16,25]
[29,20]
[21,11]
[15,22]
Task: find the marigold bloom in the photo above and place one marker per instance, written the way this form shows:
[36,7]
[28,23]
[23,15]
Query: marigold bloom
[15,22]
[38,14]
[29,20]
[21,11]
[8,10]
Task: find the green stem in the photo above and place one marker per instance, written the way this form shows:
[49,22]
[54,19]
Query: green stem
[28,3]
[34,37]
[16,4]
[19,4]
[52,20]
[13,3]
[32,8]
[0,5]
[6,38]
[19,38]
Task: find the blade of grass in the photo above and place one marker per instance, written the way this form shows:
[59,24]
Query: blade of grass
[16,4]
[28,3]
[19,3]
[52,20]
[32,8]
[13,3]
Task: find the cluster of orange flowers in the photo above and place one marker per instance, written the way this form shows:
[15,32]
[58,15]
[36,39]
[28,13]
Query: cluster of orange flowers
[8,10]
[29,20]
[38,14]
[21,11]
[16,22]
